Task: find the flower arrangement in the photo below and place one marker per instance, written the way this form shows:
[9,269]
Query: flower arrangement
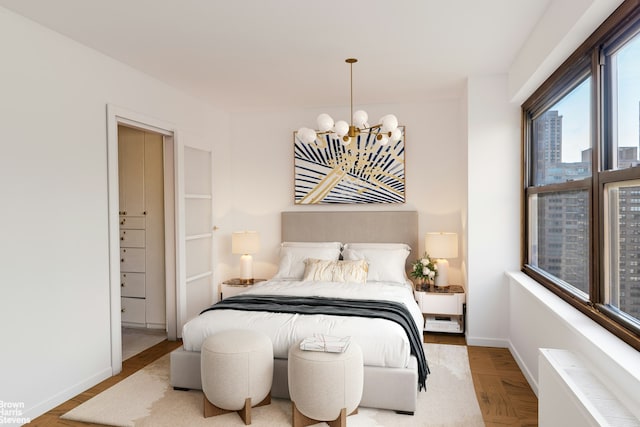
[424,270]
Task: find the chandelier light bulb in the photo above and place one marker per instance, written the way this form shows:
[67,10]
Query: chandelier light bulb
[360,118]
[382,139]
[307,135]
[389,123]
[341,128]
[325,122]
[396,136]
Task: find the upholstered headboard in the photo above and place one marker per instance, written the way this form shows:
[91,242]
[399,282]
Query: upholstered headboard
[353,227]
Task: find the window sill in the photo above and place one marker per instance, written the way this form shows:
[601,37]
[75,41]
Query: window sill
[541,319]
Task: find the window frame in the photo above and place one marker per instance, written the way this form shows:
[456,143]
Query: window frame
[589,60]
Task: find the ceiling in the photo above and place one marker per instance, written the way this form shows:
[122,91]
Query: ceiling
[280,54]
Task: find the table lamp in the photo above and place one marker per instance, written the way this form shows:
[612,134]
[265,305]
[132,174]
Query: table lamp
[245,243]
[442,246]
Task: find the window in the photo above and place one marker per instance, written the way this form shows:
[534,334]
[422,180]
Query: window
[559,203]
[582,177]
[624,69]
[559,246]
[622,278]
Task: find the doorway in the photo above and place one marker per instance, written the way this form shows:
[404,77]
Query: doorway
[118,119]
[142,248]
[188,224]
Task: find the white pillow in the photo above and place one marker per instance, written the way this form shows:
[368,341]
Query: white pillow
[335,271]
[386,260]
[337,245]
[293,255]
[388,246]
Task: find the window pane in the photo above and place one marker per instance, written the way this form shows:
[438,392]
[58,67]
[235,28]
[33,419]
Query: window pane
[626,102]
[622,230]
[561,145]
[559,236]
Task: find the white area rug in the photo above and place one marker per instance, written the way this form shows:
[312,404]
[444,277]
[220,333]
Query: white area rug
[135,340]
[146,399]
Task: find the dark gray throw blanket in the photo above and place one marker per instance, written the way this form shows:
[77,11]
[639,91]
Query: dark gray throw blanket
[389,310]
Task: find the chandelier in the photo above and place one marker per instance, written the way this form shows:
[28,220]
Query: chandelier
[386,131]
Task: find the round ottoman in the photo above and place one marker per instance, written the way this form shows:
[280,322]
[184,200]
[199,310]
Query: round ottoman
[237,371]
[324,386]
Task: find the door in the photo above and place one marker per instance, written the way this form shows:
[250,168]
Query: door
[197,254]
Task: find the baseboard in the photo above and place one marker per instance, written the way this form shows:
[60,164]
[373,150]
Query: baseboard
[67,394]
[162,326]
[134,325]
[531,379]
[487,342]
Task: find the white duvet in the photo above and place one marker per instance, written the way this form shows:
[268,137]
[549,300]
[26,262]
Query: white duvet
[383,342]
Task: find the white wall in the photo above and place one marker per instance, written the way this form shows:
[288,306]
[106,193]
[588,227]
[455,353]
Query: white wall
[493,159]
[54,230]
[565,25]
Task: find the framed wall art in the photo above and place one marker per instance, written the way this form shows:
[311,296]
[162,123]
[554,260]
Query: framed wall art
[362,171]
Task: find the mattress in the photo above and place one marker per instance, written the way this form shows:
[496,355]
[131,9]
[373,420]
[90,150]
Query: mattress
[384,343]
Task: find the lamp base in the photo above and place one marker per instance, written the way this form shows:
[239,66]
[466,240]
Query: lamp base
[246,268]
[442,280]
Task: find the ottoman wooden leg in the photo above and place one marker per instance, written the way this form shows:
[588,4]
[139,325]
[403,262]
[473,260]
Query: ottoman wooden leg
[298,419]
[245,413]
[211,410]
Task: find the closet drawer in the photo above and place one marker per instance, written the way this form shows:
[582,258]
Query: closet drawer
[132,238]
[132,260]
[132,285]
[133,310]
[132,222]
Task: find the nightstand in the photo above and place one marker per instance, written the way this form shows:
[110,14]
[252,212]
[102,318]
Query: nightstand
[443,308]
[235,286]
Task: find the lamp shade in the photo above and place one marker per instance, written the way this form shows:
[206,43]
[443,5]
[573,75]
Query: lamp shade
[245,242]
[441,245]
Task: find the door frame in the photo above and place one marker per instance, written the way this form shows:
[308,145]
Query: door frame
[119,116]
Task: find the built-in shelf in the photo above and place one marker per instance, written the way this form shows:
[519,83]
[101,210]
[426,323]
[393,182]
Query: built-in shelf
[199,276]
[197,196]
[199,236]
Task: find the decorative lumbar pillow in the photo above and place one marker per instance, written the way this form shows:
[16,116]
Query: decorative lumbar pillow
[387,261]
[293,255]
[336,271]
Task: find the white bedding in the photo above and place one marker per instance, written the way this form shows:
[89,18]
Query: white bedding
[383,342]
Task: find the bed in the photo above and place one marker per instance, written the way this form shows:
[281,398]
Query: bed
[334,261]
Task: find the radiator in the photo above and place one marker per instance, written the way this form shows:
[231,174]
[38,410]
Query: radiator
[570,394]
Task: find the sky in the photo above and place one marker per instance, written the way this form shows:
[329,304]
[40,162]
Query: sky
[575,107]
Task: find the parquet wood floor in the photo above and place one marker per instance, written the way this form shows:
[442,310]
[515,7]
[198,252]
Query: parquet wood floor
[503,393]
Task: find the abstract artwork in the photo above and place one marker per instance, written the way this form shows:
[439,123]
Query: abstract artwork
[363,171]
